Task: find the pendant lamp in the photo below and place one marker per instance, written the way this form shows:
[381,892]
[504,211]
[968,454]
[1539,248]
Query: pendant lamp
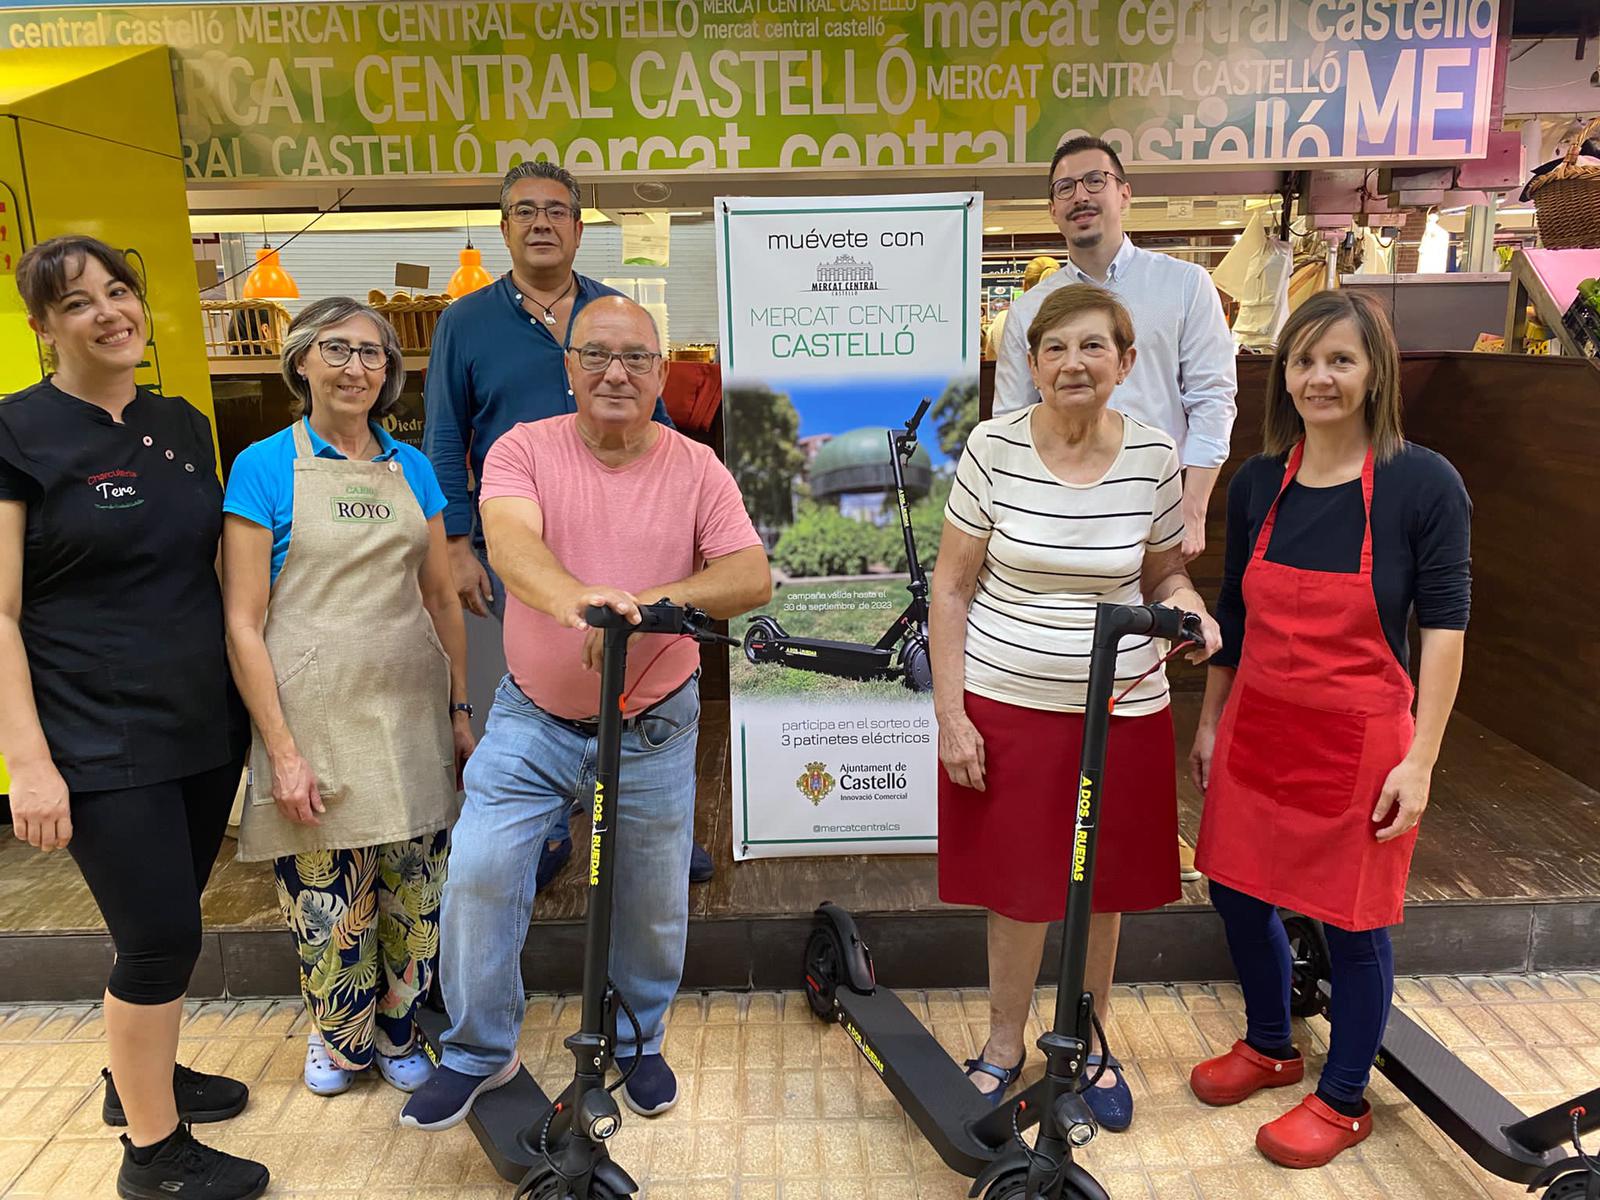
[268,280]
[470,275]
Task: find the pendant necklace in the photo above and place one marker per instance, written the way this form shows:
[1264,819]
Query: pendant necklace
[550,309]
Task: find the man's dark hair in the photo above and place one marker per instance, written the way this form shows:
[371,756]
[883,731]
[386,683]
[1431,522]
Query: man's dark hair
[1078,145]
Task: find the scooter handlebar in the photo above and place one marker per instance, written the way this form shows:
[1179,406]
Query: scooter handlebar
[661,617]
[916,417]
[1156,620]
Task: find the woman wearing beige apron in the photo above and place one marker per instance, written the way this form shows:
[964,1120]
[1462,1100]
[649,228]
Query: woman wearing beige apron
[348,646]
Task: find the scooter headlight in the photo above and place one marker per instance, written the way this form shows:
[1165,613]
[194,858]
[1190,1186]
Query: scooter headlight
[1081,1134]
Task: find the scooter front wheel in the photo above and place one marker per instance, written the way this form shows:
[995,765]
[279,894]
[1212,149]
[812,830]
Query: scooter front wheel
[915,663]
[1013,1185]
[761,632]
[553,1187]
[1573,1186]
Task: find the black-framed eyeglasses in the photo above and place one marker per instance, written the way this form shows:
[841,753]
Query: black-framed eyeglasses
[525,212]
[1093,181]
[336,354]
[597,358]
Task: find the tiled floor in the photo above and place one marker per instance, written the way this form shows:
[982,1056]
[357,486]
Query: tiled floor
[776,1106]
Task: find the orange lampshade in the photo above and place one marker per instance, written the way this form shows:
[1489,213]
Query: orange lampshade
[268,280]
[469,276]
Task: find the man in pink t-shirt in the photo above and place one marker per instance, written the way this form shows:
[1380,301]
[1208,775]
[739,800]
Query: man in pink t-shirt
[600,507]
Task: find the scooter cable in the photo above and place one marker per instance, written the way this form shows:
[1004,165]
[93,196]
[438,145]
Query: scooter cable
[1589,1161]
[636,1041]
[1182,647]
[1037,1158]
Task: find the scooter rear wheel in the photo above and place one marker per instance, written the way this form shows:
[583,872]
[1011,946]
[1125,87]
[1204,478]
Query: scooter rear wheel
[760,631]
[824,966]
[1312,965]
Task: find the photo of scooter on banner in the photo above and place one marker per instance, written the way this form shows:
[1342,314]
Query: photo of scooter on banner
[901,654]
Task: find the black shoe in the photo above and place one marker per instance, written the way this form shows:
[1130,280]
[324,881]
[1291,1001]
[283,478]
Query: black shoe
[202,1099]
[701,868]
[183,1169]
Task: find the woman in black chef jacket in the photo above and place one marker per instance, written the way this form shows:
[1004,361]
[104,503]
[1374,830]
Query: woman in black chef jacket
[122,733]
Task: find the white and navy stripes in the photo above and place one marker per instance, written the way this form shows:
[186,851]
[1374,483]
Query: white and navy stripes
[1055,550]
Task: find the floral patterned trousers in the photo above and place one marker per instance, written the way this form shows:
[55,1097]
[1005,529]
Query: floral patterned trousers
[366,922]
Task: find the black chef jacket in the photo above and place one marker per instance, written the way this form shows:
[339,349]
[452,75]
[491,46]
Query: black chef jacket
[121,609]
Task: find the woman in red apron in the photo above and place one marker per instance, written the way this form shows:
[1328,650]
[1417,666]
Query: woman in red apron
[1314,769]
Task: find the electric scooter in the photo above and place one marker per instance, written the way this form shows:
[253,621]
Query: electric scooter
[1542,1151]
[766,641]
[556,1149]
[971,1135]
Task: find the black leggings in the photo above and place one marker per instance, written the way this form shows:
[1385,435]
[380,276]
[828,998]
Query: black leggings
[146,853]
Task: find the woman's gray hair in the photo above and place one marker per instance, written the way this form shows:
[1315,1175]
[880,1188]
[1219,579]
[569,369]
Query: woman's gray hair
[308,326]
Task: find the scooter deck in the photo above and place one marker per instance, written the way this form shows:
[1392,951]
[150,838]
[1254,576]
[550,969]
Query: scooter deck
[932,1089]
[502,1119]
[1467,1109]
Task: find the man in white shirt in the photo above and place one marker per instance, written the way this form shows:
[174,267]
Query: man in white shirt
[1183,381]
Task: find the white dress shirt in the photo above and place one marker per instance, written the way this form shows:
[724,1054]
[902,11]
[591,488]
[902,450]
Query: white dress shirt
[1183,380]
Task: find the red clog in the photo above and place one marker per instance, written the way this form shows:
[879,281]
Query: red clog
[1311,1134]
[1241,1073]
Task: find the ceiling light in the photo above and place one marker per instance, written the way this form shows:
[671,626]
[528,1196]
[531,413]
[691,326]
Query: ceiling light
[994,228]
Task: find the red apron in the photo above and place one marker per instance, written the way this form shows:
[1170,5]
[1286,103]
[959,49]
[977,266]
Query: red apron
[1320,713]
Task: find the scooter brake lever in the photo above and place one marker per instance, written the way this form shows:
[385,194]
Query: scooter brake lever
[698,626]
[1190,630]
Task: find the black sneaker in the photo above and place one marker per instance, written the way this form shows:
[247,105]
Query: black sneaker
[202,1099]
[183,1169]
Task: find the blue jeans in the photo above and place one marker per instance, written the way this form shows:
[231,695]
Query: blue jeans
[1362,977]
[561,829]
[526,770]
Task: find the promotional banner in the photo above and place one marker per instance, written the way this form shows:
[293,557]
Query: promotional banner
[850,378]
[412,88]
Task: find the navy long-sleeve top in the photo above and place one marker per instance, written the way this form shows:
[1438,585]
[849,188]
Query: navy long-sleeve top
[1421,541]
[492,366]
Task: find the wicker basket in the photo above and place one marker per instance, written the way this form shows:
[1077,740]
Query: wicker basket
[247,328]
[1566,201]
[414,318]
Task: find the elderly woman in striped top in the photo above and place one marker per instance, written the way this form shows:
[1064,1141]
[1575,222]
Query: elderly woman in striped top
[1057,508]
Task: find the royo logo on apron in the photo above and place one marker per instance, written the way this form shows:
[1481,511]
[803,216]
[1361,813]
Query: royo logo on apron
[360,506]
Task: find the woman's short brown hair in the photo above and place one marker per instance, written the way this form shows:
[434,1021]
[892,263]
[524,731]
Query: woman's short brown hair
[1281,426]
[1073,300]
[303,333]
[45,273]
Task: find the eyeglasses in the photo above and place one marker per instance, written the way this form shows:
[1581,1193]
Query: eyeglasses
[526,213]
[337,354]
[598,358]
[1093,181]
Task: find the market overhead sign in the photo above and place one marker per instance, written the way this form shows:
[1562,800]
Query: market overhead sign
[375,90]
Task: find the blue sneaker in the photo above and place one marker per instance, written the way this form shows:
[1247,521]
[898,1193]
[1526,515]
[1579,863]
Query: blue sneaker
[701,868]
[446,1098]
[652,1089]
[1112,1106]
[551,860]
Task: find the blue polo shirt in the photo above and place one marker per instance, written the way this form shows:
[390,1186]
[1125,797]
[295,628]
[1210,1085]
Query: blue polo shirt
[261,484]
[492,366]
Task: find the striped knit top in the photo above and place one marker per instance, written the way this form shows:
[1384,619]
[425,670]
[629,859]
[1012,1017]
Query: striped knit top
[1055,550]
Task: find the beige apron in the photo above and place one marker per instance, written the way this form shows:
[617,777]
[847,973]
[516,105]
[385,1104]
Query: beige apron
[362,678]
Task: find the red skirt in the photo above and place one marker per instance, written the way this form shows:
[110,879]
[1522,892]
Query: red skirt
[1009,848]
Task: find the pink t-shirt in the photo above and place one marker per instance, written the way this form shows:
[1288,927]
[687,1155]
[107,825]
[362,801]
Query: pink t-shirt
[654,521]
